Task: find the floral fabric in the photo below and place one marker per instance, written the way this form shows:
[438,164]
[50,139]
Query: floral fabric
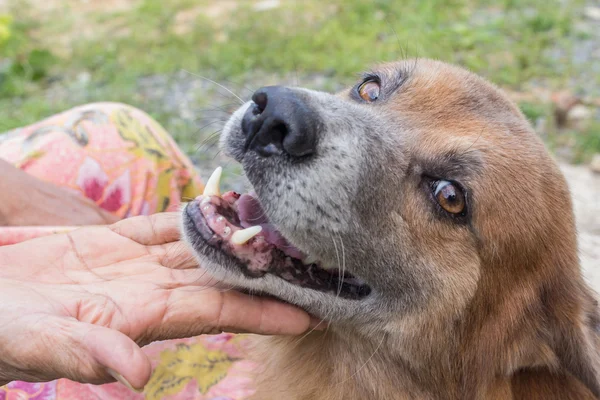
[126,162]
[114,154]
[201,368]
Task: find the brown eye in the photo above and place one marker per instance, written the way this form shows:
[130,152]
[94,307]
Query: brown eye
[369,91]
[450,197]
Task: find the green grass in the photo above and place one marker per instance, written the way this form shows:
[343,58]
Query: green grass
[586,143]
[506,41]
[341,38]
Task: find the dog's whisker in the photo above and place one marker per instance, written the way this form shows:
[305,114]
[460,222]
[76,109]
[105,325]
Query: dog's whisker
[210,141]
[216,83]
[402,51]
[219,108]
[217,154]
[475,141]
[249,89]
[337,256]
[343,263]
[209,124]
[365,363]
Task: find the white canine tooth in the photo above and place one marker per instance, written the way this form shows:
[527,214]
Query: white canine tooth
[243,235]
[212,185]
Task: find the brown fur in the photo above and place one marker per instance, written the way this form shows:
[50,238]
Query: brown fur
[514,318]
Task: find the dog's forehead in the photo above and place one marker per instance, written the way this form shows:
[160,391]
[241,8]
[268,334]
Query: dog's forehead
[446,109]
[440,93]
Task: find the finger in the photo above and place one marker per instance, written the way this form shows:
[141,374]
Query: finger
[260,315]
[150,230]
[122,358]
[192,312]
[67,348]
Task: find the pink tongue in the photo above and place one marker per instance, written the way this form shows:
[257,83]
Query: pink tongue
[251,213]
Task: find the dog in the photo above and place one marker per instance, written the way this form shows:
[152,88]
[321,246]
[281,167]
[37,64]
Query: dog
[419,215]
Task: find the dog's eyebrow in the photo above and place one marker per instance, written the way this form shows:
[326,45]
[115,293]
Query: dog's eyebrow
[454,165]
[370,74]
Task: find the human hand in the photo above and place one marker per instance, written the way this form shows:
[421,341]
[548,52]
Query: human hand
[29,201]
[79,305]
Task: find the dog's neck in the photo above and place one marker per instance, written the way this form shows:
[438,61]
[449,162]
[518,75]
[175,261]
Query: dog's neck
[329,365]
[464,357]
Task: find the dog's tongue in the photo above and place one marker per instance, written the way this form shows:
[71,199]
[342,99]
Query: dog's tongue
[251,213]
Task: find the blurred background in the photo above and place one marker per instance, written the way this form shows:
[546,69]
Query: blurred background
[185,61]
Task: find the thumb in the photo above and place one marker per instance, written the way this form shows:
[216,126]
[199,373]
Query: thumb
[67,348]
[122,358]
[207,310]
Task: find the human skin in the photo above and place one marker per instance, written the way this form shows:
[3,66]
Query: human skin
[80,305]
[29,201]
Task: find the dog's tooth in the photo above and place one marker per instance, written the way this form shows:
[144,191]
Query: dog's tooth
[309,260]
[212,185]
[243,235]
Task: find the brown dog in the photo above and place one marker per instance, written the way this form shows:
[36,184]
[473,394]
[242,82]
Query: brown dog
[420,215]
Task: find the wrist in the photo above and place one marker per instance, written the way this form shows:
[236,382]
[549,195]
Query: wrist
[16,187]
[7,188]
[13,183]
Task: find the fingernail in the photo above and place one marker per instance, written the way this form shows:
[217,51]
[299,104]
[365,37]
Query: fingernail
[317,324]
[122,380]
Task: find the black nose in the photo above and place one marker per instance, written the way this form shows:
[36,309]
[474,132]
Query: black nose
[280,121]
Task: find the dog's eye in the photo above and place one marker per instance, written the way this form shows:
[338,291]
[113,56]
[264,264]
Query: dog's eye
[449,196]
[369,90]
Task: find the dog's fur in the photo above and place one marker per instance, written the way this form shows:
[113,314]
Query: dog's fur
[489,306]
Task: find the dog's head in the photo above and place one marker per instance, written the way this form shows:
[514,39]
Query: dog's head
[419,194]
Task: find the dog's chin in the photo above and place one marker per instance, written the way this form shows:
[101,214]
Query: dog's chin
[237,245]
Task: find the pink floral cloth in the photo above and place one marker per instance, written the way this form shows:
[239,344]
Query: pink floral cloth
[127,163]
[201,368]
[113,154]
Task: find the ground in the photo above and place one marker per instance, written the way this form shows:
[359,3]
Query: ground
[165,58]
[585,191]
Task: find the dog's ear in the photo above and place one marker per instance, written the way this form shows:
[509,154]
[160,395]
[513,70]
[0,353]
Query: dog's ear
[575,341]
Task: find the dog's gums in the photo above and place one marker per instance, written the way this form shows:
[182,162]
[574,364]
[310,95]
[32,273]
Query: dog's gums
[237,226]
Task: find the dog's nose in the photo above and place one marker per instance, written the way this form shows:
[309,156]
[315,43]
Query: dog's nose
[280,121]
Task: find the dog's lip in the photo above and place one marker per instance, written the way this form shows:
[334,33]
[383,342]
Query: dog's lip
[258,257]
[218,219]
